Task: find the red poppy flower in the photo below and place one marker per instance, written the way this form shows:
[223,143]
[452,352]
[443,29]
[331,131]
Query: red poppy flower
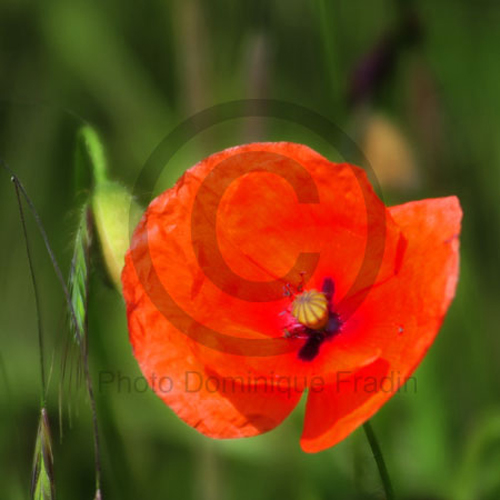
[267,271]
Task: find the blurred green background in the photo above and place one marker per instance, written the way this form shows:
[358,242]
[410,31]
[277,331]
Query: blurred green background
[415,84]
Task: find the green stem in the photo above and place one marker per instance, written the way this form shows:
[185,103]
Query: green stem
[379,460]
[96,154]
[35,291]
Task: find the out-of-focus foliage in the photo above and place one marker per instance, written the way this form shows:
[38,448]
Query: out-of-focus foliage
[135,71]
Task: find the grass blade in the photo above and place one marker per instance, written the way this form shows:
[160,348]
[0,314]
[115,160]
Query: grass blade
[21,191]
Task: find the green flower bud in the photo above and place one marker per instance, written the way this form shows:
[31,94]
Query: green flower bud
[114,209]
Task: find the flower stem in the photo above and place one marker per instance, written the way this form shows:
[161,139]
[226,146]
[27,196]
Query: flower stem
[379,460]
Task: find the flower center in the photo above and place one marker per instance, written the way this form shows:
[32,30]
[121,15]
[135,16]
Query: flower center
[314,319]
[310,308]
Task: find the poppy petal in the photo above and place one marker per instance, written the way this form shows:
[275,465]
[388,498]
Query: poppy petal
[217,406]
[401,316]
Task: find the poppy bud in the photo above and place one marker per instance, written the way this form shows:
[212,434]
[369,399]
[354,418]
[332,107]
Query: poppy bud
[114,207]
